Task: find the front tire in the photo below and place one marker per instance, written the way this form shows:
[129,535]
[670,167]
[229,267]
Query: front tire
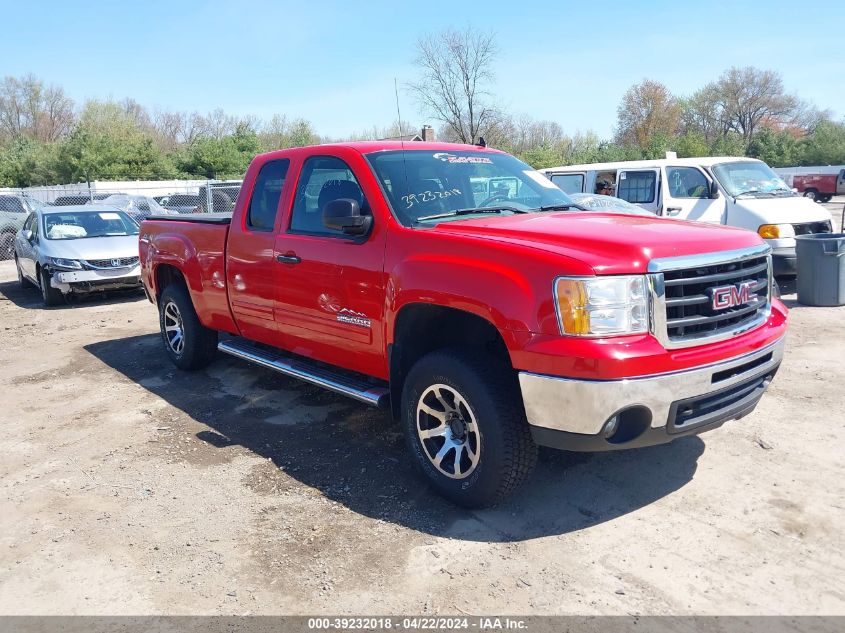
[51,296]
[465,426]
[189,344]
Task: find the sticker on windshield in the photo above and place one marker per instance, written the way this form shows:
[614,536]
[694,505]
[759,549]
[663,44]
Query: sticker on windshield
[109,216]
[428,196]
[451,158]
[539,178]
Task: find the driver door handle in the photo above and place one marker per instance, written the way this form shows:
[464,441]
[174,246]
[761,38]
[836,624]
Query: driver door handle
[673,210]
[290,258]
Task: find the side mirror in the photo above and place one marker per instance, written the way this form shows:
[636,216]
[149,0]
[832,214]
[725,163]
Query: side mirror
[344,214]
[714,190]
[27,235]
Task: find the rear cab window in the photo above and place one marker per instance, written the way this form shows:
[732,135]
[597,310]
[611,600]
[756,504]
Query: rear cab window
[264,203]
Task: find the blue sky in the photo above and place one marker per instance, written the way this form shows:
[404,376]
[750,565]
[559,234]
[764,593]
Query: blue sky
[334,62]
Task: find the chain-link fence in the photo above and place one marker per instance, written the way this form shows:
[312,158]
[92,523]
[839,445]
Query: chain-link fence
[139,199]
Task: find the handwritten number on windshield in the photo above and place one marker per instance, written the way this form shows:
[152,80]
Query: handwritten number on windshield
[428,196]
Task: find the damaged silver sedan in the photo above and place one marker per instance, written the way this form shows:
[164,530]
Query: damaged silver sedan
[77,249]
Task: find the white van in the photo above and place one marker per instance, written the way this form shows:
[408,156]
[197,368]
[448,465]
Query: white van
[736,191]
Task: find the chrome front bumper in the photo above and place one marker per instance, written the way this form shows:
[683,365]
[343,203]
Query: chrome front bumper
[583,407]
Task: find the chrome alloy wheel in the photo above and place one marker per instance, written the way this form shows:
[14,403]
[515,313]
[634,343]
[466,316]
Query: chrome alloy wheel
[447,430]
[173,332]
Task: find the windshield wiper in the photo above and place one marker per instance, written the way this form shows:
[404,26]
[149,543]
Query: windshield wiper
[470,211]
[743,193]
[561,207]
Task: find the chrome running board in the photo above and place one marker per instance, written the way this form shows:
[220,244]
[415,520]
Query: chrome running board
[346,384]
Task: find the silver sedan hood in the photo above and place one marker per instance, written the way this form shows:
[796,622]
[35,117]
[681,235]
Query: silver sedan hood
[92,247]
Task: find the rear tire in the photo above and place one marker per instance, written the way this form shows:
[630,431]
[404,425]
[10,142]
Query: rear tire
[824,198]
[465,425]
[811,194]
[189,344]
[51,296]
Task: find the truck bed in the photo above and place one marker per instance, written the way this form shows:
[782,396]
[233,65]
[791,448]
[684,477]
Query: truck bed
[195,245]
[196,218]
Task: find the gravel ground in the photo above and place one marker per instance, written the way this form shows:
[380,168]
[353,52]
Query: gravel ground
[128,487]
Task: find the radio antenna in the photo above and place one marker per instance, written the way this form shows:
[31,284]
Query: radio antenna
[401,136]
[398,113]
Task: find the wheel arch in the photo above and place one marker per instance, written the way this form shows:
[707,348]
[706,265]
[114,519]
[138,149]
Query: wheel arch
[166,275]
[420,328]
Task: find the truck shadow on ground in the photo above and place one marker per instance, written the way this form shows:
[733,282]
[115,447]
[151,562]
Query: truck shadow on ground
[30,298]
[356,455]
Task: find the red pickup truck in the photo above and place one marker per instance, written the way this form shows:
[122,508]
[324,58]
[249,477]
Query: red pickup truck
[466,292]
[820,187]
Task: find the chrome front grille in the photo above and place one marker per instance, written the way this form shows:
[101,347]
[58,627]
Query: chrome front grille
[685,294]
[118,262]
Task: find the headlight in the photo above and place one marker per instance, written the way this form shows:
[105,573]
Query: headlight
[601,306]
[775,231]
[67,264]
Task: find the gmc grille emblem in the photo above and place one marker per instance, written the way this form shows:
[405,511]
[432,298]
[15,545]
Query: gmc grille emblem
[724,297]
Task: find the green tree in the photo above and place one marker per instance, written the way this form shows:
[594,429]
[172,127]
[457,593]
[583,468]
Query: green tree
[731,144]
[825,145]
[777,149]
[108,144]
[301,134]
[691,144]
[658,145]
[226,157]
[27,162]
[543,156]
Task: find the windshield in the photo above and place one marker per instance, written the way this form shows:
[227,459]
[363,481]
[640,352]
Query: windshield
[421,184]
[13,204]
[181,200]
[85,224]
[134,204]
[749,177]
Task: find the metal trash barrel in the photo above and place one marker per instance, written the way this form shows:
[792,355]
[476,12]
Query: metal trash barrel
[821,269]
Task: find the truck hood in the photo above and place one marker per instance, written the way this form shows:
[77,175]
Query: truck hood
[609,243]
[792,210]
